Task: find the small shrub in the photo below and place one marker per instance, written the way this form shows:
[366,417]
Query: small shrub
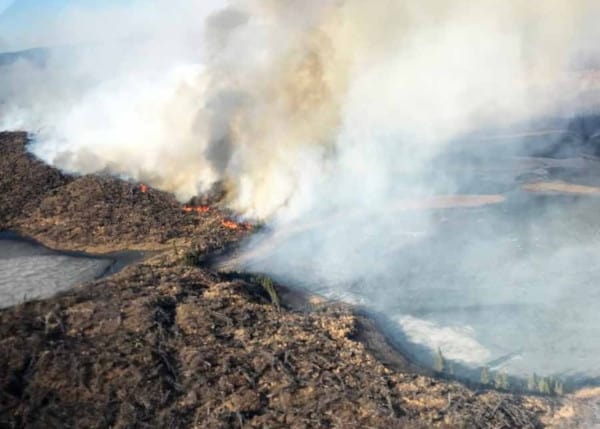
[269,287]
[440,362]
[485,376]
[544,386]
[532,383]
[501,381]
[559,388]
[193,258]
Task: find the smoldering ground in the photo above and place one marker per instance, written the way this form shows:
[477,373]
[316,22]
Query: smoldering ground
[257,93]
[334,121]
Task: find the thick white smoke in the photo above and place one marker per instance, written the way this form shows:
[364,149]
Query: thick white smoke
[332,119]
[258,93]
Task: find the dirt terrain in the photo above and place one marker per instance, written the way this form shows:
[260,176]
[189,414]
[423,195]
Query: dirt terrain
[98,214]
[172,343]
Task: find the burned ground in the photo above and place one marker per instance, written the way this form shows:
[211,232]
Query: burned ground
[24,181]
[166,344]
[97,213]
[162,345]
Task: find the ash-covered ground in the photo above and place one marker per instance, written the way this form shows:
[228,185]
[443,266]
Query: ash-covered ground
[166,343]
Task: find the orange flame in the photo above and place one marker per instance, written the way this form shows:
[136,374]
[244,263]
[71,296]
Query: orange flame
[234,225]
[143,188]
[230,224]
[195,209]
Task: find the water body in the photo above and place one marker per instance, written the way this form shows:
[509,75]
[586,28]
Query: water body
[514,287]
[30,271]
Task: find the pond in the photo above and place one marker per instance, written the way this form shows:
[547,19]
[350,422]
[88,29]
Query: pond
[30,271]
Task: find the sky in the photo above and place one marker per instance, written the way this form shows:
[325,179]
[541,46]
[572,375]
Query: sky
[4,4]
[28,24]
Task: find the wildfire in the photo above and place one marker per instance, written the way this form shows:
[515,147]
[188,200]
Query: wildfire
[143,188]
[195,209]
[229,224]
[226,223]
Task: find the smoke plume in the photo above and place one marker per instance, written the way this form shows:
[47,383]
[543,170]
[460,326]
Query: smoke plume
[336,121]
[262,94]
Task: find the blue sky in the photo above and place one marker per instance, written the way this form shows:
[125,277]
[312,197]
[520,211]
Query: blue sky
[4,4]
[15,14]
[27,23]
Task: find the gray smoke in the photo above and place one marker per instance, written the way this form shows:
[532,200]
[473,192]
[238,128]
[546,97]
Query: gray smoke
[384,143]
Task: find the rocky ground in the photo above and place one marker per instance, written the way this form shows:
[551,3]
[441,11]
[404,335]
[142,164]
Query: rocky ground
[171,343]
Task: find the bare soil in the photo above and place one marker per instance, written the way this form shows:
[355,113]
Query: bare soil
[166,344]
